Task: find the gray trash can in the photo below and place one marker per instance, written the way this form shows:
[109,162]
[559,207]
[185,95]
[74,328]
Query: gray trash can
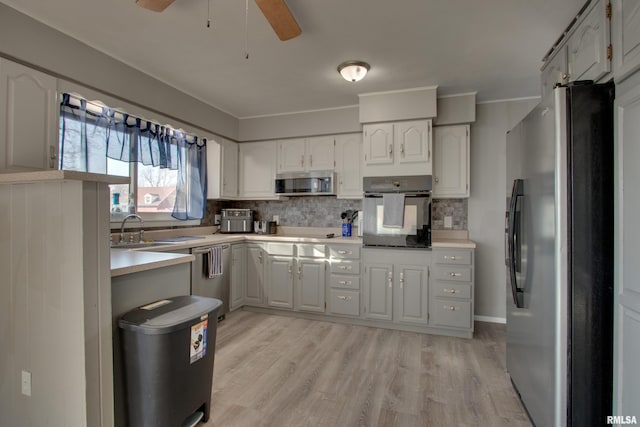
[168,349]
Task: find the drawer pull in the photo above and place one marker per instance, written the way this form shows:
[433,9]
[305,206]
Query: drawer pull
[455,274]
[452,258]
[449,291]
[451,307]
[344,298]
[345,267]
[343,252]
[344,282]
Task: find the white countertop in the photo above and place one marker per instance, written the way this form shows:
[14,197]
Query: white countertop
[125,261]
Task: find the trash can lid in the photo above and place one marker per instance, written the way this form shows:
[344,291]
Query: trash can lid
[169,314]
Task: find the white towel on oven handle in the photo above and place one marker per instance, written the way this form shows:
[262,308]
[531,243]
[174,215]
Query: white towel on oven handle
[214,262]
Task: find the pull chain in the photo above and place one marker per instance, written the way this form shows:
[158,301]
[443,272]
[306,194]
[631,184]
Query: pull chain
[246,29]
[209,14]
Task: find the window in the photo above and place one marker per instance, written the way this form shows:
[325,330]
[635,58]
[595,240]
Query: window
[167,167]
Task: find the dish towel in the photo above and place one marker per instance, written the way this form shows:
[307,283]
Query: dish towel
[214,262]
[393,210]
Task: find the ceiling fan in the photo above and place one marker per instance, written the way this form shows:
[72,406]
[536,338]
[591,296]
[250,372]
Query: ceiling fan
[276,12]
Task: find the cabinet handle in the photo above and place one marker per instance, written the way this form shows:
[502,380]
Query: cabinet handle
[53,155]
[451,307]
[290,269]
[345,267]
[402,149]
[310,160]
[452,258]
[300,272]
[449,291]
[437,180]
[344,282]
[260,257]
[390,150]
[344,298]
[455,274]
[343,252]
[302,160]
[390,279]
[401,280]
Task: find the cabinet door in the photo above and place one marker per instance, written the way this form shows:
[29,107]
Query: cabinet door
[280,281]
[229,168]
[257,164]
[413,142]
[378,144]
[236,299]
[378,286]
[627,269]
[320,153]
[587,47]
[291,155]
[626,37]
[348,167]
[254,275]
[412,285]
[554,72]
[311,285]
[28,118]
[451,161]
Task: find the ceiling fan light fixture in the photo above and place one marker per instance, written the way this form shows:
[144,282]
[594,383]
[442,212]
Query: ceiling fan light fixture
[353,71]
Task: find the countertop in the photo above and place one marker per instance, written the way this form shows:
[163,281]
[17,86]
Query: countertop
[125,261]
[59,175]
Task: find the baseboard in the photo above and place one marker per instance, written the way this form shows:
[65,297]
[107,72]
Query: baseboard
[490,319]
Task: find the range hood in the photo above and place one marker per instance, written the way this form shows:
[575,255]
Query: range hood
[316,183]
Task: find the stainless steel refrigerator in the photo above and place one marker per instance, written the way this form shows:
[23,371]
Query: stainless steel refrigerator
[559,254]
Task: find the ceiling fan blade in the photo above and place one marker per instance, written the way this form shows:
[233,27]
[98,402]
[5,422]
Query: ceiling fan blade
[280,18]
[155,5]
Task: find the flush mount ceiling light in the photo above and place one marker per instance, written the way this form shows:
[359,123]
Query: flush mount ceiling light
[353,71]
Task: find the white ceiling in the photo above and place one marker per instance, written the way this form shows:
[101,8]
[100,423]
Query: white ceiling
[493,47]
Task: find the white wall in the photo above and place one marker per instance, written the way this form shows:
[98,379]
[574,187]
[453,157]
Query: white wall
[26,40]
[487,203]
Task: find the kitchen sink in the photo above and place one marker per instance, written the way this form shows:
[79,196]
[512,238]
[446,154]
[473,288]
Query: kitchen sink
[137,245]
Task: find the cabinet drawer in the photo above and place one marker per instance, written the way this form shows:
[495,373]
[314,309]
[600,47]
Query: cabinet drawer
[311,251]
[450,313]
[345,252]
[344,281]
[451,290]
[453,256]
[345,267]
[284,249]
[454,272]
[344,302]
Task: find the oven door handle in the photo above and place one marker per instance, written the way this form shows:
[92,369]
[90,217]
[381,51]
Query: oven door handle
[204,251]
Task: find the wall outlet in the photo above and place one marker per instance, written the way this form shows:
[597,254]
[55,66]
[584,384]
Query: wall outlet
[26,383]
[276,218]
[448,222]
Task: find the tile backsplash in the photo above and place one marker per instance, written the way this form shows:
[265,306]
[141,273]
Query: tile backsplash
[323,211]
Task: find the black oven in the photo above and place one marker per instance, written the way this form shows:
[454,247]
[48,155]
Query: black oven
[406,200]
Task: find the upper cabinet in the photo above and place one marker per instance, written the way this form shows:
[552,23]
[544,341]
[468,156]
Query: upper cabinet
[588,47]
[402,148]
[229,168]
[451,163]
[308,154]
[28,119]
[348,165]
[626,37]
[257,170]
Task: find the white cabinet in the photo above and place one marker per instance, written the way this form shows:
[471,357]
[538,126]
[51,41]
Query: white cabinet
[222,168]
[451,161]
[626,37]
[402,148]
[348,166]
[308,154]
[279,277]
[587,47]
[254,275]
[238,279]
[310,282]
[396,286]
[627,232]
[257,170]
[28,119]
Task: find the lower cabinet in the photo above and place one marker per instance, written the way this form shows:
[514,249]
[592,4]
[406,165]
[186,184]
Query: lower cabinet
[254,275]
[238,279]
[396,284]
[344,280]
[310,284]
[280,281]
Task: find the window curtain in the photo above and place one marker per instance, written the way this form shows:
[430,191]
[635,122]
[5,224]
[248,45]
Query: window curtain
[90,133]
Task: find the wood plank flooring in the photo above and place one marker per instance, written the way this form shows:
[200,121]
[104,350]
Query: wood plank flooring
[282,371]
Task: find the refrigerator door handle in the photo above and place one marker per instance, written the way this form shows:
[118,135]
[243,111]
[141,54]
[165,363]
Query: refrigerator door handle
[513,240]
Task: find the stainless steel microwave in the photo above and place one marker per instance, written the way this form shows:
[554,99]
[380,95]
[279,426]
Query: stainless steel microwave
[316,183]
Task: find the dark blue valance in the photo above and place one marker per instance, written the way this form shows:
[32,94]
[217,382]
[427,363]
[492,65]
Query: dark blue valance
[90,133]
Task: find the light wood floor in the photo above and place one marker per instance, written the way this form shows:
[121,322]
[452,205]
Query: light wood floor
[282,371]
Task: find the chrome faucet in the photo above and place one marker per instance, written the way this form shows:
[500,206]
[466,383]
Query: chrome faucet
[131,216]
